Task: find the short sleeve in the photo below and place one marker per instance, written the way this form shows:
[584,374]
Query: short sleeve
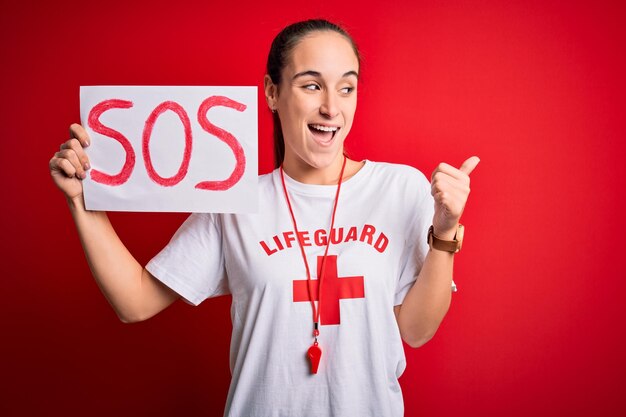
[416,242]
[192,263]
[416,247]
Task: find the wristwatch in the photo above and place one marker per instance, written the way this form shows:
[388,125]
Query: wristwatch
[452,246]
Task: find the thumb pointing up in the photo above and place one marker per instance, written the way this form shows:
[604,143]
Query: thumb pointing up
[470,163]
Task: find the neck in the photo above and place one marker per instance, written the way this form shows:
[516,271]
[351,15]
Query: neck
[307,174]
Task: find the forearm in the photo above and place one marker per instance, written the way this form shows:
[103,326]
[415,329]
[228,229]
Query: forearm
[122,280]
[427,302]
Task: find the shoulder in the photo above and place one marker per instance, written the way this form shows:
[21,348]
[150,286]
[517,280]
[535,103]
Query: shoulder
[199,221]
[399,176]
[267,182]
[265,178]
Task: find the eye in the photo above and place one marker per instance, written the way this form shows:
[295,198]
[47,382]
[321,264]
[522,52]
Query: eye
[311,87]
[346,90]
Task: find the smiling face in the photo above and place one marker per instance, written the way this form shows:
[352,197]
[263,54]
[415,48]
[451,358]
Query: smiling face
[316,101]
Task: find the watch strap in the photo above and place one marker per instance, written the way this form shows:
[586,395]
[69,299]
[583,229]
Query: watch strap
[452,246]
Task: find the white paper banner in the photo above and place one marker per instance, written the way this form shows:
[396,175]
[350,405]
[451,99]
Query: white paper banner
[183,149]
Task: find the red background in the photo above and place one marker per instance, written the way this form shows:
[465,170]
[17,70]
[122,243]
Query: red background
[534,88]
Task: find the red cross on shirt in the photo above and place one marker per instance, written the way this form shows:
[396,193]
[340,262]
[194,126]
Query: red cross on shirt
[334,289]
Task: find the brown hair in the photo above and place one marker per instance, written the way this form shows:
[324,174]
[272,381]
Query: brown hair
[280,52]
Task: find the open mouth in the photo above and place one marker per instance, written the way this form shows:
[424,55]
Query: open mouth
[323,134]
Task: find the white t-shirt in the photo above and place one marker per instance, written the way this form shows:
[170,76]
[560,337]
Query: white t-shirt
[377,250]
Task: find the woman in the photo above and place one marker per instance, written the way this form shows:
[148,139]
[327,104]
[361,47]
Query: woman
[331,273]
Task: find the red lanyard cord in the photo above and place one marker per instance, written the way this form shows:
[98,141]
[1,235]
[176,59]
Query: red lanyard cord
[316,311]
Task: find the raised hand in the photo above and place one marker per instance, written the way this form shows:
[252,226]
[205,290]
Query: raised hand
[69,166]
[450,188]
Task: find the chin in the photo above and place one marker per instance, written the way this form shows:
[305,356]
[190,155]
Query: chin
[323,161]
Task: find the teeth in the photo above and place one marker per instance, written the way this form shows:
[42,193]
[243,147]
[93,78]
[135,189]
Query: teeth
[324,128]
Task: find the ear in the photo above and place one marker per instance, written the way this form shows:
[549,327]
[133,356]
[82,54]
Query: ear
[271,92]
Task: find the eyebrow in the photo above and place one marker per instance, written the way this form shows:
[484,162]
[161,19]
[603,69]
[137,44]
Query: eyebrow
[318,74]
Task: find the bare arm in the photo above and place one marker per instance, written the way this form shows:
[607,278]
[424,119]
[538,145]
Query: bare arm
[427,302]
[132,291]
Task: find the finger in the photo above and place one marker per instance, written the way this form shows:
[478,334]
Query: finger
[451,198]
[62,165]
[468,166]
[77,147]
[450,175]
[449,170]
[451,205]
[444,182]
[79,132]
[72,158]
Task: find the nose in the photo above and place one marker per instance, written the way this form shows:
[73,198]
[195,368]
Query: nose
[329,106]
